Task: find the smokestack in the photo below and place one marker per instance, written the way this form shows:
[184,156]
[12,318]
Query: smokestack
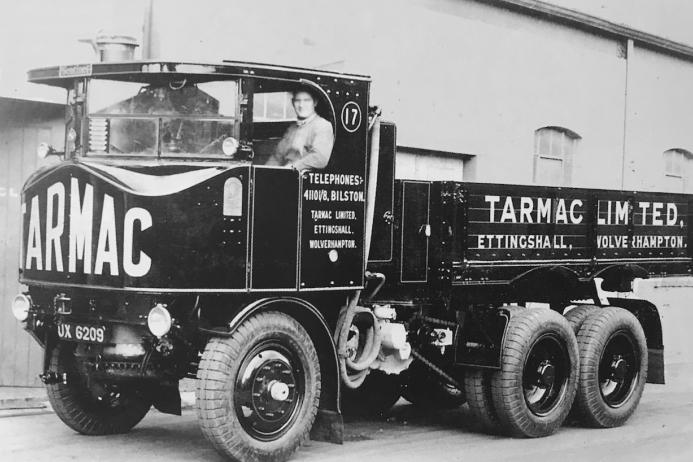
[113,47]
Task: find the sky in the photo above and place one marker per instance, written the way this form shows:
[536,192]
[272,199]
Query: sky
[36,33]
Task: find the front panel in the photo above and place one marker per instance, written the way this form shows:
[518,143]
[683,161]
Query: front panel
[95,225]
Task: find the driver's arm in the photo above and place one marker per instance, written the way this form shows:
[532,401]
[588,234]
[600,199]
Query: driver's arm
[319,150]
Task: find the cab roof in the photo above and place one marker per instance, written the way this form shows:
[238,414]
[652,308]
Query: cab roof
[63,76]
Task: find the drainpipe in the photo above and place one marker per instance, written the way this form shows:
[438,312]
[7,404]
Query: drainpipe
[629,52]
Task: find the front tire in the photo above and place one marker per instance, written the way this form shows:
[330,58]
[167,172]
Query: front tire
[258,390]
[613,368]
[535,387]
[93,408]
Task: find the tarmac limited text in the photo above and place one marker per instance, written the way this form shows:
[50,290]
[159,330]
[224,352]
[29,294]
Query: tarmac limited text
[523,209]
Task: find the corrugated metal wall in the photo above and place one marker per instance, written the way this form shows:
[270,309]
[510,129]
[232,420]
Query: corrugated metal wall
[23,125]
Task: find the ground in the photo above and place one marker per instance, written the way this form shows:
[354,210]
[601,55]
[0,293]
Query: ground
[661,429]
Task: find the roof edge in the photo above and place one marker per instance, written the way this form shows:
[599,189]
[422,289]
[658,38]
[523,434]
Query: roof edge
[591,23]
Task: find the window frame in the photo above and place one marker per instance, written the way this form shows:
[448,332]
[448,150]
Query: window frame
[566,157]
[683,157]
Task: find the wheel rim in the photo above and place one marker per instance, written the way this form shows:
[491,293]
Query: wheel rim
[269,390]
[545,374]
[618,369]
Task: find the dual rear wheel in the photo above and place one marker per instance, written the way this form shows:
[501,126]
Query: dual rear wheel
[593,361]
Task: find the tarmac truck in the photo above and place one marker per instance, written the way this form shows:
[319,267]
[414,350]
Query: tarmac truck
[159,246]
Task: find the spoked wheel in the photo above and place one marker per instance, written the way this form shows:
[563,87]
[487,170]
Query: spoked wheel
[540,353]
[613,371]
[258,390]
[92,407]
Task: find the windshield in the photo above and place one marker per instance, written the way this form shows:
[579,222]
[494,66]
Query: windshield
[174,118]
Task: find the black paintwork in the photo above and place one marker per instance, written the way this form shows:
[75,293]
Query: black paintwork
[459,212]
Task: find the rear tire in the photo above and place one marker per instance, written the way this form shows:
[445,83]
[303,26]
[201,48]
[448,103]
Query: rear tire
[535,387]
[258,390]
[577,315]
[375,397]
[613,368]
[477,387]
[98,409]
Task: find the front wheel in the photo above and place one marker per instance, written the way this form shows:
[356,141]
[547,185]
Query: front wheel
[258,390]
[91,407]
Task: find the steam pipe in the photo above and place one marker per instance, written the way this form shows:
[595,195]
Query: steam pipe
[372,180]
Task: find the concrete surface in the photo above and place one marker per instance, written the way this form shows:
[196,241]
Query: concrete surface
[12,398]
[661,430]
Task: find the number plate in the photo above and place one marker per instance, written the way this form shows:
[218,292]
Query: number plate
[81,333]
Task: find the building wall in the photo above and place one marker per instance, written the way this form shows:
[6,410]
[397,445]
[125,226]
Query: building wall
[468,83]
[457,76]
[23,125]
[660,97]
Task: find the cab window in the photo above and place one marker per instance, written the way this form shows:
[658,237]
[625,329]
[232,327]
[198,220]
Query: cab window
[167,118]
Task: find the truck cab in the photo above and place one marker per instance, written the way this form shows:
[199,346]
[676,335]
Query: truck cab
[166,224]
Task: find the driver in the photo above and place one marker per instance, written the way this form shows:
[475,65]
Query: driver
[307,143]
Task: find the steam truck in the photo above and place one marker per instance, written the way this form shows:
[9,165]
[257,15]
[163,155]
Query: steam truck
[159,246]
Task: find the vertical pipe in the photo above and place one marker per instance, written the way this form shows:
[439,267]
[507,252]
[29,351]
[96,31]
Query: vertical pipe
[372,183]
[147,30]
[629,52]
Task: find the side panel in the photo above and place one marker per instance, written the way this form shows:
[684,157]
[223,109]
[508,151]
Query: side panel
[333,202]
[274,229]
[511,229]
[415,230]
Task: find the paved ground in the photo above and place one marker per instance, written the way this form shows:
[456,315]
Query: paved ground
[662,429]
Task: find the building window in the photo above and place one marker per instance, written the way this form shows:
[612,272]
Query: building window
[676,169]
[554,148]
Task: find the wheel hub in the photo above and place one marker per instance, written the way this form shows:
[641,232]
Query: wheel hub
[546,373]
[618,371]
[268,392]
[618,368]
[279,391]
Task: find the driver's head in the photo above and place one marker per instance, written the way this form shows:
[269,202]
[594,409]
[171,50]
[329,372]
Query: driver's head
[304,104]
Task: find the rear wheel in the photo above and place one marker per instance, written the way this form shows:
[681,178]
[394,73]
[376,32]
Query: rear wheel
[577,315]
[613,367]
[536,385]
[91,407]
[477,387]
[378,393]
[258,390]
